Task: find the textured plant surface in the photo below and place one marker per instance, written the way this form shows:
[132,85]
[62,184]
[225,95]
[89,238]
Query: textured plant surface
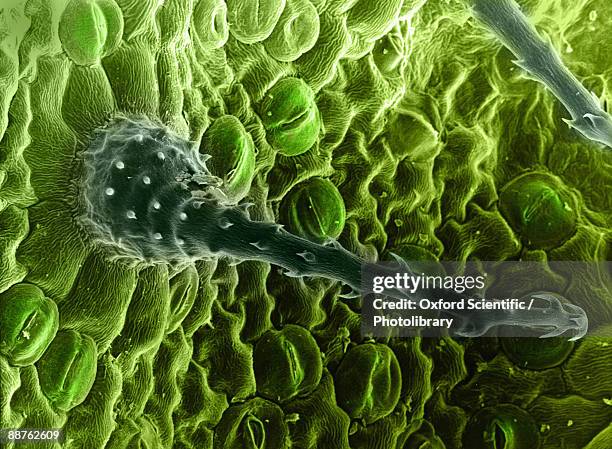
[392,126]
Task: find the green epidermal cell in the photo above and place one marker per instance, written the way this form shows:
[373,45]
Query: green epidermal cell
[210,23]
[90,29]
[114,24]
[290,116]
[287,363]
[297,31]
[413,136]
[314,210]
[232,156]
[256,424]
[424,438]
[537,353]
[388,53]
[67,370]
[29,321]
[183,290]
[538,207]
[503,426]
[368,382]
[253,20]
[418,258]
[147,436]
[372,19]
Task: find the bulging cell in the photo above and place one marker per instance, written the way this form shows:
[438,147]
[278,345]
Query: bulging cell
[232,156]
[368,382]
[253,20]
[411,135]
[90,29]
[183,290]
[389,52]
[537,353]
[290,116]
[314,209]
[28,321]
[540,209]
[210,23]
[144,434]
[425,438]
[68,368]
[287,363]
[114,24]
[297,31]
[372,20]
[502,426]
[420,259]
[256,424]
